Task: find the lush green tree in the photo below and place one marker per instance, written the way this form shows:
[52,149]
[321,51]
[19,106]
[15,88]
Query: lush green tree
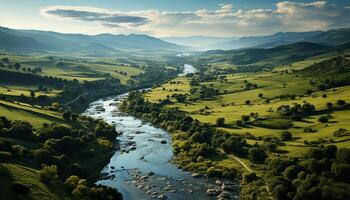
[48,173]
[257,155]
[220,122]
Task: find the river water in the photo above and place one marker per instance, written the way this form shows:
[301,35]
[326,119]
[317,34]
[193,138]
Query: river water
[141,167]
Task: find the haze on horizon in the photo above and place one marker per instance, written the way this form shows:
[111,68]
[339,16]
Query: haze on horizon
[159,18]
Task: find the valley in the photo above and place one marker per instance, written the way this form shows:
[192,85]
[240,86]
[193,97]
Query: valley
[98,116]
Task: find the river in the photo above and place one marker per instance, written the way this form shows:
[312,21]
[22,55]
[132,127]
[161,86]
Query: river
[141,167]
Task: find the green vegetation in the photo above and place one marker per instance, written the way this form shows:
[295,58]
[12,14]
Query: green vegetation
[258,117]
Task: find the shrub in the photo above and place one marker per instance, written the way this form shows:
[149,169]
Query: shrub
[48,173]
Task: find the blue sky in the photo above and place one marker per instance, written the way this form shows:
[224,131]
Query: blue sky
[224,18]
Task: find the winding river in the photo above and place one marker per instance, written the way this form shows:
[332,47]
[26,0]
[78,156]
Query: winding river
[141,167]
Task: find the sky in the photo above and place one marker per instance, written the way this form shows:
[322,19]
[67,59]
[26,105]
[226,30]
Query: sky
[166,18]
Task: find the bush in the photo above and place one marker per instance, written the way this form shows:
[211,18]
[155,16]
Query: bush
[48,173]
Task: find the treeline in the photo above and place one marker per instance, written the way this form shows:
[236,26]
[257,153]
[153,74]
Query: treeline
[60,155]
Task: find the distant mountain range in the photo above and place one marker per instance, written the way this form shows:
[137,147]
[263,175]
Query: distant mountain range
[280,55]
[109,44]
[332,37]
[44,41]
[198,42]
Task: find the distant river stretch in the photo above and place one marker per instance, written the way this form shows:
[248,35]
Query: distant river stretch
[141,167]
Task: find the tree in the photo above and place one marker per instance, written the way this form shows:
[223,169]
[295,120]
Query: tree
[32,93]
[71,182]
[248,102]
[220,121]
[261,95]
[245,118]
[257,155]
[341,102]
[286,136]
[323,119]
[329,105]
[48,173]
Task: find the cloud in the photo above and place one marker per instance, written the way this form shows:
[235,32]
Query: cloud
[226,20]
[87,14]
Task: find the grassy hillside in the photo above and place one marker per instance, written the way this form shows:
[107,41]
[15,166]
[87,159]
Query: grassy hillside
[276,89]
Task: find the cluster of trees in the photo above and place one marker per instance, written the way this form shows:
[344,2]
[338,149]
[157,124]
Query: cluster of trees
[248,85]
[121,73]
[60,151]
[296,111]
[323,175]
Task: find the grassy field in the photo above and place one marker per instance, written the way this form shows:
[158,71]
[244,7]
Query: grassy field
[231,105]
[75,69]
[18,90]
[33,114]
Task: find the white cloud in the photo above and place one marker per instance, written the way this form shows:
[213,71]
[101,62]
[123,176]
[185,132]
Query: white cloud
[224,21]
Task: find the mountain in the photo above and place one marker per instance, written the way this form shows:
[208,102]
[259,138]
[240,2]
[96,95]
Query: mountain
[332,37]
[199,42]
[33,40]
